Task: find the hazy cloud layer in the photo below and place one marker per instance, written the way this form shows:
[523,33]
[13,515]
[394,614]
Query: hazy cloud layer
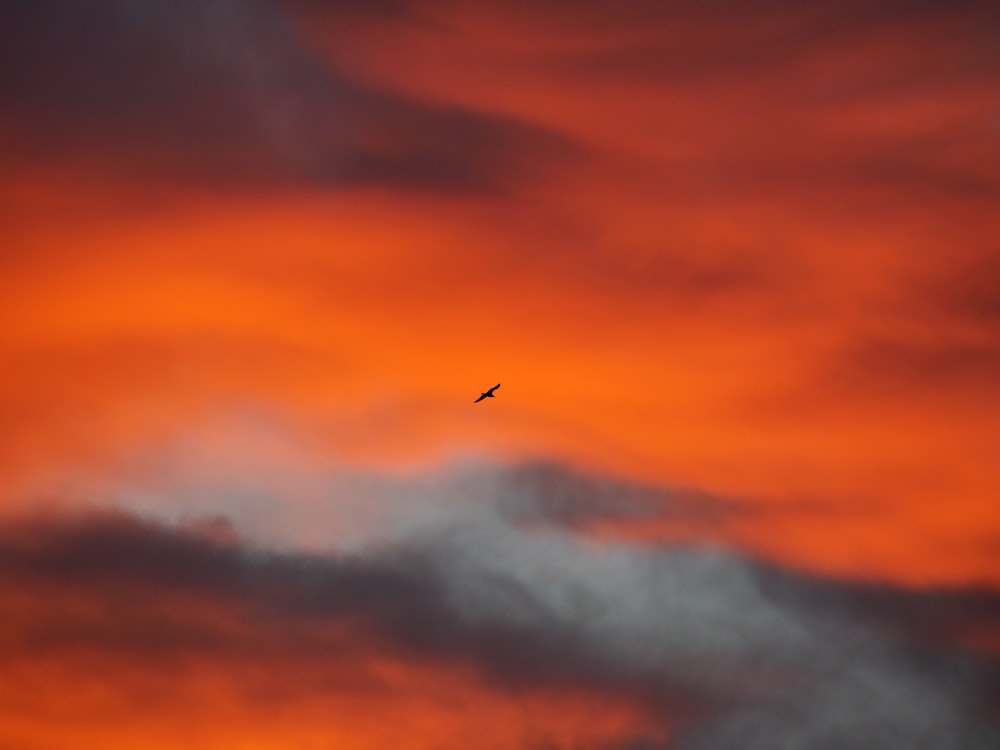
[725,651]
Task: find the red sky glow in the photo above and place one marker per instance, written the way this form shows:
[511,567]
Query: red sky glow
[736,266]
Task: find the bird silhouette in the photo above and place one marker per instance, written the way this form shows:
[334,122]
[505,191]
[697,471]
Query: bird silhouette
[488,394]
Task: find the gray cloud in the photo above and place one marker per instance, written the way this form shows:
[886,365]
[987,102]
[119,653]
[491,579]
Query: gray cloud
[551,493]
[729,652]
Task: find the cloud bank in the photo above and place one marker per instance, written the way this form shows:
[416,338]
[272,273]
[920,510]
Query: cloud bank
[713,650]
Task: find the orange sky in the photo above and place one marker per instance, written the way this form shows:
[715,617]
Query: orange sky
[746,251]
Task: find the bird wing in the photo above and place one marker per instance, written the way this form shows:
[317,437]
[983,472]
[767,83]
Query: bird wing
[481,397]
[493,388]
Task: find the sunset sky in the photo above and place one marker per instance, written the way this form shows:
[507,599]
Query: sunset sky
[735,264]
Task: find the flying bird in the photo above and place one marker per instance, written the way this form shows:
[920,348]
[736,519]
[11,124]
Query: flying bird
[488,394]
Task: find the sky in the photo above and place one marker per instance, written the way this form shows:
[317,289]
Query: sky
[734,264]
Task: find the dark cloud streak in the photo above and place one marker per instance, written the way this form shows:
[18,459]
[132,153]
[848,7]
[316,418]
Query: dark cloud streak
[225,93]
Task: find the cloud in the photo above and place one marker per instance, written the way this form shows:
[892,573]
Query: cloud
[226,93]
[554,494]
[719,651]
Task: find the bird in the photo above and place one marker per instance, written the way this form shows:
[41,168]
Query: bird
[488,394]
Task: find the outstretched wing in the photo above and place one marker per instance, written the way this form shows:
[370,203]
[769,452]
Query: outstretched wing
[490,391]
[481,397]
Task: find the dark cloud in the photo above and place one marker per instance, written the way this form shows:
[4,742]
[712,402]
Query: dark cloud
[728,652]
[940,618]
[130,567]
[226,92]
[354,10]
